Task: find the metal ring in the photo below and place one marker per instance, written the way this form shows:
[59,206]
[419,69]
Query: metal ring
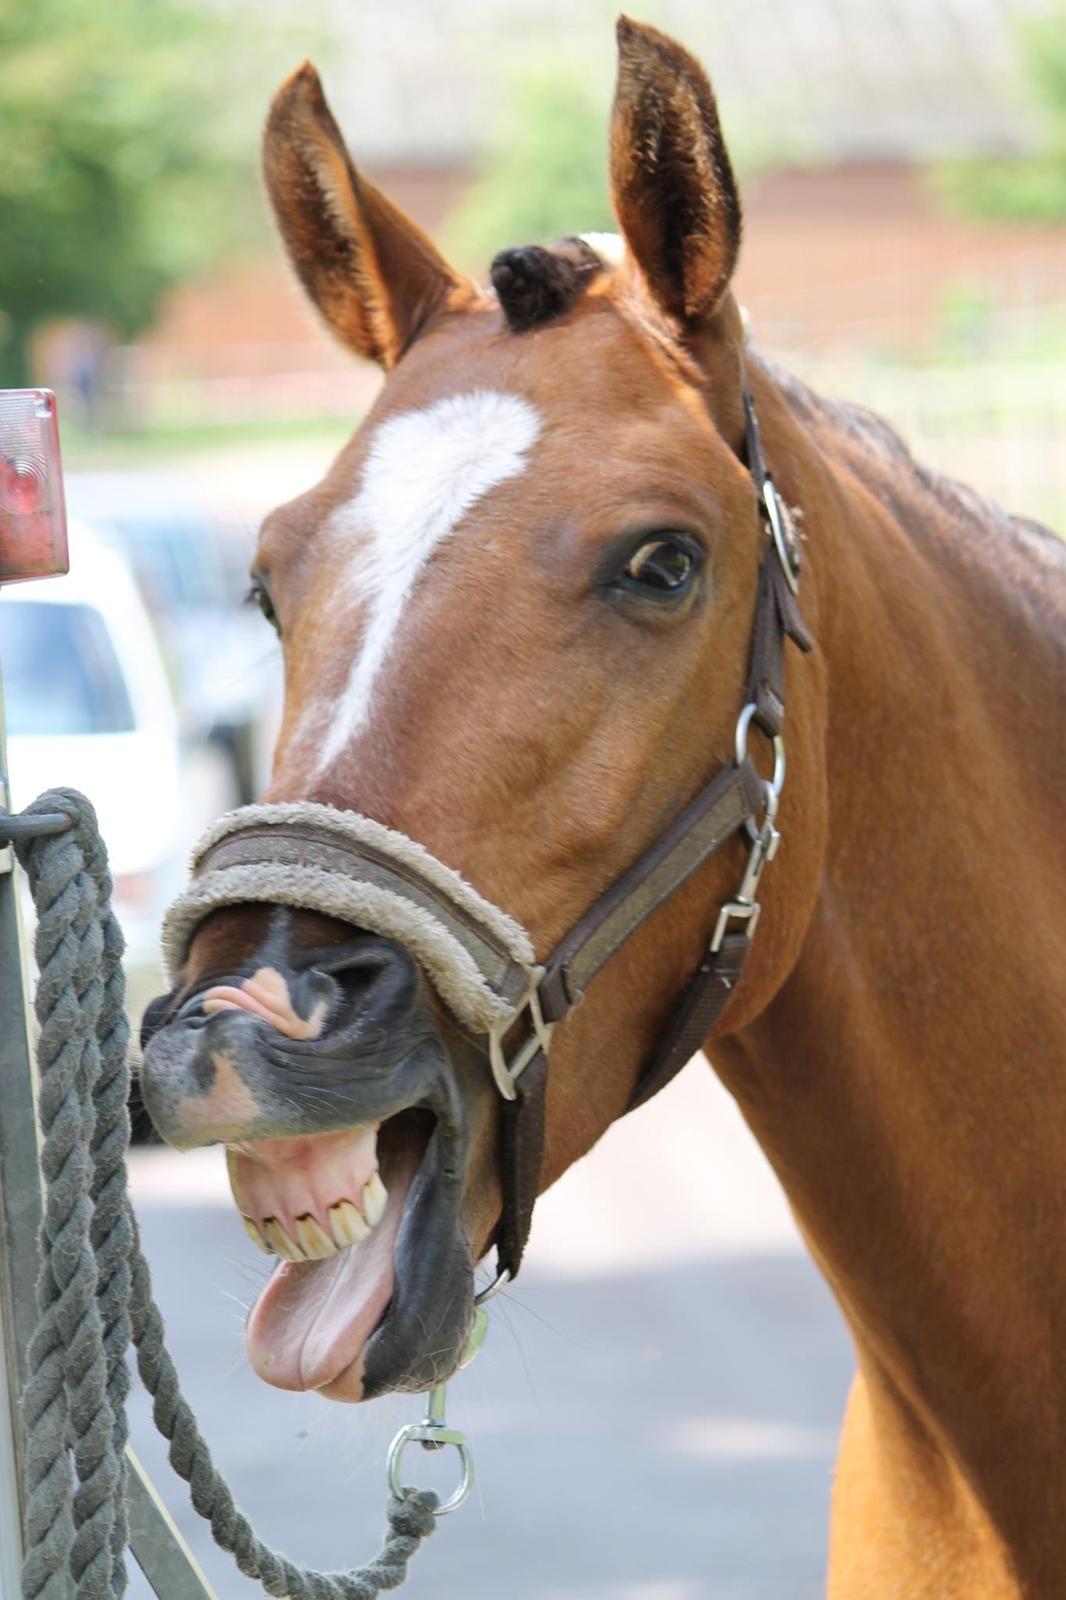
[740,738]
[740,747]
[501,1280]
[777,782]
[417,1431]
[773,785]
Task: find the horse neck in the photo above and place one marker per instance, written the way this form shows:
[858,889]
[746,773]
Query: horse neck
[903,1080]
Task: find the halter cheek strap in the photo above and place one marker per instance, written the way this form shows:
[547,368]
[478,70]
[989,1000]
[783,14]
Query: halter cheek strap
[479,959]
[732,801]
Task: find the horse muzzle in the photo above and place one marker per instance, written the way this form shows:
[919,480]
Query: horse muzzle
[347,1145]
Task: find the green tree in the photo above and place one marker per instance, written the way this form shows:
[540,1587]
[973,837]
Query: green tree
[119,171]
[1031,187]
[546,172]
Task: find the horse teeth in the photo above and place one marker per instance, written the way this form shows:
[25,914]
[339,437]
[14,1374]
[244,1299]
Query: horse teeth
[347,1225]
[280,1242]
[256,1237]
[375,1198]
[313,1239]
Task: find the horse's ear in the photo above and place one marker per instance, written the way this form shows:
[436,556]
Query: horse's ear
[371,272]
[671,182]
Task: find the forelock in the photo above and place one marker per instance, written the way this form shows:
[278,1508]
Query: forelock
[535,284]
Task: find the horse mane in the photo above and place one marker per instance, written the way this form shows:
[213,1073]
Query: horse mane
[872,445]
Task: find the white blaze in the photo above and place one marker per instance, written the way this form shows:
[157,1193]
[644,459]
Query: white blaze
[610,247]
[423,472]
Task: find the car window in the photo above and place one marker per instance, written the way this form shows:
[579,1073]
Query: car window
[60,671]
[175,562]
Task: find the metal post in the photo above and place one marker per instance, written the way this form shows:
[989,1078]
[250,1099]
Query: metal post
[160,1550]
[20,1206]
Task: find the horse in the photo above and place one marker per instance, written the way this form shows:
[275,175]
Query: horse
[516,617]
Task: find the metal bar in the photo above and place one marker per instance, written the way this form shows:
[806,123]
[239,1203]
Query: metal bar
[20,1210]
[10,1480]
[20,1174]
[162,1554]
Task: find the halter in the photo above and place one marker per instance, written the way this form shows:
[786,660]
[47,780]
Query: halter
[480,960]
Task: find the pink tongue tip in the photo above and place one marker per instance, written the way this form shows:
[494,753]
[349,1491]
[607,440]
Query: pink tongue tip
[311,1323]
[266,994]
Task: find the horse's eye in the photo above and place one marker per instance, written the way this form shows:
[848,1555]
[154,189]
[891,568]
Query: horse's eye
[260,595]
[663,566]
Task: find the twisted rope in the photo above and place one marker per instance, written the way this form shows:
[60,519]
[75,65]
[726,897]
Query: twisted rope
[94,1292]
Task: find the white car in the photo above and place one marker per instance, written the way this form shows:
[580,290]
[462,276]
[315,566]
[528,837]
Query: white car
[192,567]
[88,706]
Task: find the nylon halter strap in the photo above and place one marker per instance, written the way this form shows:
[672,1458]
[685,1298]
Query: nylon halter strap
[736,798]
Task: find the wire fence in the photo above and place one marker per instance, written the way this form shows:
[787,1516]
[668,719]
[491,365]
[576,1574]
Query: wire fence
[998,426]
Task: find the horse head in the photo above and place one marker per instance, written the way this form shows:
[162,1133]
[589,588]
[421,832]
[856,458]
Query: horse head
[516,621]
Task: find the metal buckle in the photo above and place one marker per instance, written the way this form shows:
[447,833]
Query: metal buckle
[764,837]
[783,544]
[744,907]
[507,1073]
[740,909]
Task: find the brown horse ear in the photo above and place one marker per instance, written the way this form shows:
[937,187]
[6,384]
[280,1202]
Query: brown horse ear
[371,272]
[671,182]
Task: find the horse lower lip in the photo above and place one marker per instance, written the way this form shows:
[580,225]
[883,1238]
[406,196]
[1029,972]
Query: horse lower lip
[313,1320]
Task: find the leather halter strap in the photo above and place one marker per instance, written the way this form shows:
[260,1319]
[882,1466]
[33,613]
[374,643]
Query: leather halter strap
[716,814]
[730,801]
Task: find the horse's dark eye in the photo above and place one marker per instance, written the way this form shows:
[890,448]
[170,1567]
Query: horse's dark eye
[663,566]
[260,596]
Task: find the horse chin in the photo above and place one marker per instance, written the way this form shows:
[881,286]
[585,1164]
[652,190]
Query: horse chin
[390,1311]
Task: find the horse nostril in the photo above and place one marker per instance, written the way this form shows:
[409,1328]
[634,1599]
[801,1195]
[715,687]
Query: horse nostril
[314,993]
[368,984]
[378,981]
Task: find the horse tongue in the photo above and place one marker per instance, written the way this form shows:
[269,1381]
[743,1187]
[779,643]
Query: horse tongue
[310,1325]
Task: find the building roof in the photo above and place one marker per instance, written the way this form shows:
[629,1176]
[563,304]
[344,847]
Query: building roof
[424,81]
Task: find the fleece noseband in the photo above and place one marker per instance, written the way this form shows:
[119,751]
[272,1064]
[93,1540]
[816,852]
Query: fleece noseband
[481,962]
[315,858]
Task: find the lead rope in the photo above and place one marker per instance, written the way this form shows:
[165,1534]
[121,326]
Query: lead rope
[94,1292]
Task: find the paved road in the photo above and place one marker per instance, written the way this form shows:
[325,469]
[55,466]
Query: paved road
[654,1412]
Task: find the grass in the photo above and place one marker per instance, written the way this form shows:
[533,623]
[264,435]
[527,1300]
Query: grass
[83,450]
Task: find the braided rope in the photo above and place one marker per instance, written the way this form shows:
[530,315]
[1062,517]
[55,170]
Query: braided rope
[94,1292]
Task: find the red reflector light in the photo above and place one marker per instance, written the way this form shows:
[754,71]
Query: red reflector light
[33,521]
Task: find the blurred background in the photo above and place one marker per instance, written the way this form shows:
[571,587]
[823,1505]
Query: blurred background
[656,1411]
